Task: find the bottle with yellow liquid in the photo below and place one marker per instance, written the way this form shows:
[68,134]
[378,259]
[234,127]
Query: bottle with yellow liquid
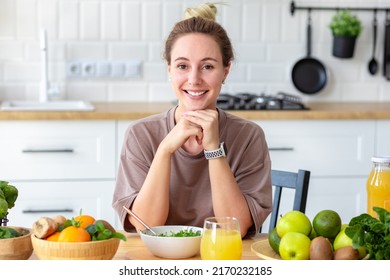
[378,185]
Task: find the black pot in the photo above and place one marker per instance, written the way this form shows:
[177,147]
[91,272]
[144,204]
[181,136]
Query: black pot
[343,47]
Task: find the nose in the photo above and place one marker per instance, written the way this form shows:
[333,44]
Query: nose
[194,77]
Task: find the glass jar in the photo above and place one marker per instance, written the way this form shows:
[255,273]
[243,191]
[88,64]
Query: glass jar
[378,185]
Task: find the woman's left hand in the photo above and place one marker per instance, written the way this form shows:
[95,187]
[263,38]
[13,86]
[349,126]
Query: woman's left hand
[208,121]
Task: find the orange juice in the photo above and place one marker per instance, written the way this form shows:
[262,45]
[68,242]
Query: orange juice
[378,185]
[221,244]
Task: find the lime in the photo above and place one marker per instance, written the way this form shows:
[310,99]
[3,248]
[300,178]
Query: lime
[274,240]
[327,223]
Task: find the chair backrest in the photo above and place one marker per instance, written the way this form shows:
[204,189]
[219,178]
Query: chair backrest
[299,181]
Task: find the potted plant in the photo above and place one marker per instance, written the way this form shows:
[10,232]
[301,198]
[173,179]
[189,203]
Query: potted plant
[345,28]
[15,242]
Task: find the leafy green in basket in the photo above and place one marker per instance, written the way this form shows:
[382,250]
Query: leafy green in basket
[365,230]
[99,232]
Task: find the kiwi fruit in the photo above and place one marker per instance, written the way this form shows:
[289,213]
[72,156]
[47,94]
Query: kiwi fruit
[346,253]
[321,249]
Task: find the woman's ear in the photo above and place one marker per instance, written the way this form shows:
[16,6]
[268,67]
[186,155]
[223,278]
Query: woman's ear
[227,70]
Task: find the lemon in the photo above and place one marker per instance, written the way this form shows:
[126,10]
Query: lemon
[274,240]
[327,223]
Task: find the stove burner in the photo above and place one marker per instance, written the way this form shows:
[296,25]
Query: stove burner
[249,101]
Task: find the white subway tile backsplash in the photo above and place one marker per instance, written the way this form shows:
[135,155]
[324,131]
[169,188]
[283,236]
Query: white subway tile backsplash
[131,21]
[26,18]
[128,92]
[86,50]
[91,91]
[7,16]
[48,18]
[69,20]
[111,20]
[128,51]
[11,50]
[151,20]
[267,40]
[251,22]
[161,93]
[90,20]
[155,72]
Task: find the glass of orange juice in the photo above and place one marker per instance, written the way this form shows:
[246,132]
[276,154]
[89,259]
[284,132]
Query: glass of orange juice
[221,239]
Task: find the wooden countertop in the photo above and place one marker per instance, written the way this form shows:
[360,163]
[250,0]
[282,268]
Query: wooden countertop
[134,110]
[134,249]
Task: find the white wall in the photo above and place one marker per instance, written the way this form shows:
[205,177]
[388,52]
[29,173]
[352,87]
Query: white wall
[268,41]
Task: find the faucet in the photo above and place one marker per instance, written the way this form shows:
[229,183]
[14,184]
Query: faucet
[44,84]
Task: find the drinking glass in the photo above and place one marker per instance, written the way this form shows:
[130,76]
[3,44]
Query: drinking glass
[221,239]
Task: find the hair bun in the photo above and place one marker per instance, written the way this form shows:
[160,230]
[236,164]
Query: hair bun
[205,10]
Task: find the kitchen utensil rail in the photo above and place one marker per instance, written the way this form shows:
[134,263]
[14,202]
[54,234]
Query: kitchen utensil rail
[294,7]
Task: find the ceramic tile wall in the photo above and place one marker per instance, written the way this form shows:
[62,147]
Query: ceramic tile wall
[268,40]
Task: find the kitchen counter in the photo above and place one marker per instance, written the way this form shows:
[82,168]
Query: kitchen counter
[137,110]
[134,249]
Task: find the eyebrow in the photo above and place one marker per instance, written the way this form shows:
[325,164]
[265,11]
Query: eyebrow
[204,59]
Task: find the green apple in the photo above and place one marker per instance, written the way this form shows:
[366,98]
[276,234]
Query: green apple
[343,240]
[293,221]
[294,246]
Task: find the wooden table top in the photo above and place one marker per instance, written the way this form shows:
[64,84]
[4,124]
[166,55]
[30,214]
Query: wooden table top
[133,249]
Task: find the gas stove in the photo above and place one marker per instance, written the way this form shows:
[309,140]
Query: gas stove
[250,101]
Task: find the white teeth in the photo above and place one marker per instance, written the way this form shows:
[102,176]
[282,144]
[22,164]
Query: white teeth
[196,93]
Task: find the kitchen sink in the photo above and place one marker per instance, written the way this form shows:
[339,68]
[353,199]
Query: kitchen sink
[60,105]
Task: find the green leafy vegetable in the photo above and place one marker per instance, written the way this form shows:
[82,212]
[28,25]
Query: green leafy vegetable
[99,232]
[6,232]
[365,230]
[181,233]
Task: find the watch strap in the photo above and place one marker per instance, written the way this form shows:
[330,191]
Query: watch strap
[220,152]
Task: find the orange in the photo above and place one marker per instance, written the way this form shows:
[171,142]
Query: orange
[74,234]
[54,236]
[84,220]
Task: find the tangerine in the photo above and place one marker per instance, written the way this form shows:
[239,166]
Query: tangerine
[74,234]
[84,220]
[54,236]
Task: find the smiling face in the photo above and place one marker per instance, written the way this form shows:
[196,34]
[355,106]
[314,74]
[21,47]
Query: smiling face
[196,71]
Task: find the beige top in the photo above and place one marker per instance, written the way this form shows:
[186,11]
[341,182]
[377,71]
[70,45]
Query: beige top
[190,191]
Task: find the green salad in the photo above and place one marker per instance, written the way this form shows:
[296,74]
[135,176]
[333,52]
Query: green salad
[183,233]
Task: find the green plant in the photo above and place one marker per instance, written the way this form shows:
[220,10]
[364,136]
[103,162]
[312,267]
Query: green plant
[8,196]
[345,24]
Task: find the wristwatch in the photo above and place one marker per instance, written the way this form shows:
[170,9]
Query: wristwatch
[216,153]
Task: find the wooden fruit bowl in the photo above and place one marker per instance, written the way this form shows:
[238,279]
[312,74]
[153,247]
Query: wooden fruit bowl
[91,250]
[17,248]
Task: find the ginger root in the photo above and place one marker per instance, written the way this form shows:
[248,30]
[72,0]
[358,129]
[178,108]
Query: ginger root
[44,227]
[59,219]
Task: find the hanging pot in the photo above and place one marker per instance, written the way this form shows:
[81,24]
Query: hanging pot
[309,75]
[343,47]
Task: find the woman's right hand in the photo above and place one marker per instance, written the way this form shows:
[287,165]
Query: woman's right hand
[182,131]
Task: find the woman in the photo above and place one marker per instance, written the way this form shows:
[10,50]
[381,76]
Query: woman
[195,160]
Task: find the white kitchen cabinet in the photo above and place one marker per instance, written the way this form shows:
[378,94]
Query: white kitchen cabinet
[338,154]
[48,150]
[382,139]
[67,198]
[59,167]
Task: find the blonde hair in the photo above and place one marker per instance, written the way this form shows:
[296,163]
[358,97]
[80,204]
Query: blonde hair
[205,10]
[201,20]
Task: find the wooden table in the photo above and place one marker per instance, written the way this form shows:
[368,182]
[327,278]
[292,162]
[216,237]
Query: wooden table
[134,249]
